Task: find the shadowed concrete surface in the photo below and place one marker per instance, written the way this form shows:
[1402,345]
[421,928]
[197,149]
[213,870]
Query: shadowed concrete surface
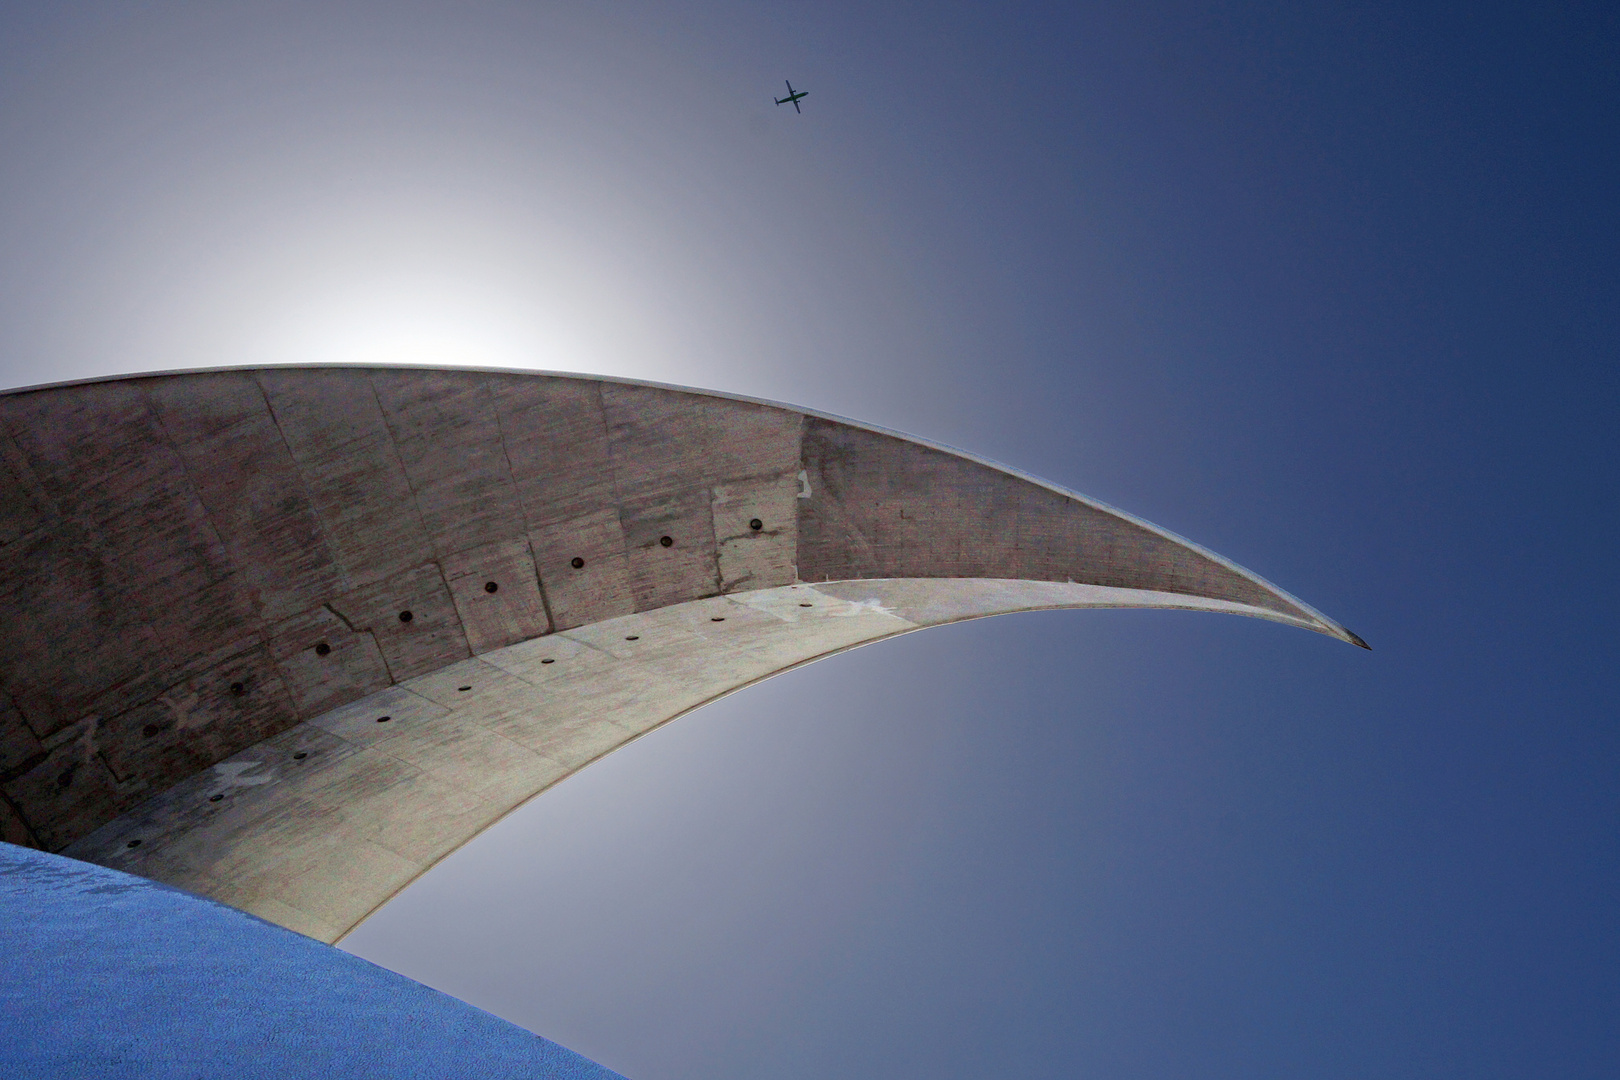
[286,637]
[106,975]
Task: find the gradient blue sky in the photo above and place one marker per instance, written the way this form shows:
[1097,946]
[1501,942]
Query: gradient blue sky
[1329,288]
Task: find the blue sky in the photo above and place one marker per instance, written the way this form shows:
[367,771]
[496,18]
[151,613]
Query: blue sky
[1329,288]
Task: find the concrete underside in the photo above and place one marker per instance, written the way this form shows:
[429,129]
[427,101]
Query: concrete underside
[317,842]
[214,584]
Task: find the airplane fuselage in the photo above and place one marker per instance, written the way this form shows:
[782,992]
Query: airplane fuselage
[793,98]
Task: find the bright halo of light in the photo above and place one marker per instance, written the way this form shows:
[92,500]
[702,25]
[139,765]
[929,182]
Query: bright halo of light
[414,318]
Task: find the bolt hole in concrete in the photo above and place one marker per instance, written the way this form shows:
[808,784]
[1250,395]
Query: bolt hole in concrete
[490,586]
[406,616]
[756,524]
[577,563]
[65,779]
[384,719]
[300,756]
[633,637]
[322,649]
[150,730]
[548,660]
[463,689]
[666,541]
[238,689]
[133,844]
[215,798]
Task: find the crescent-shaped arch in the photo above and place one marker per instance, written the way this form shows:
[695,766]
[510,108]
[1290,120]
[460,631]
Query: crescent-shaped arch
[288,636]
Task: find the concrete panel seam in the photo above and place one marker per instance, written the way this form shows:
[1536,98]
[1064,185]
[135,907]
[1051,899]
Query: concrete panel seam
[344,619]
[303,482]
[399,460]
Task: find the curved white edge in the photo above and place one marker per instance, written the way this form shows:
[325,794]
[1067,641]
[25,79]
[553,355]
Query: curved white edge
[1316,621]
[317,827]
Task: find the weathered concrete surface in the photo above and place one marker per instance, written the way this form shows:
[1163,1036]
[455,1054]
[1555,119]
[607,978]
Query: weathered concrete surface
[204,575]
[316,842]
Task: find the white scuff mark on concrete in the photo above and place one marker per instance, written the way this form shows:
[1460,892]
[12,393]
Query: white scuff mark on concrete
[87,740]
[235,774]
[870,606]
[804,484]
[777,603]
[83,729]
[796,603]
[185,704]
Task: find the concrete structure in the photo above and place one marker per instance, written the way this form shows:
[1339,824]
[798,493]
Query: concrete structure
[286,637]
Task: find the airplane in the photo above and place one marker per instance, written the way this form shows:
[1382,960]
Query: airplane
[793,97]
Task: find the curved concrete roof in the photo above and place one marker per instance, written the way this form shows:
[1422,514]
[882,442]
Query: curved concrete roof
[288,636]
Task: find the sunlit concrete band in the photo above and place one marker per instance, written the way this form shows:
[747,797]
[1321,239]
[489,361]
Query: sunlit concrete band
[287,637]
